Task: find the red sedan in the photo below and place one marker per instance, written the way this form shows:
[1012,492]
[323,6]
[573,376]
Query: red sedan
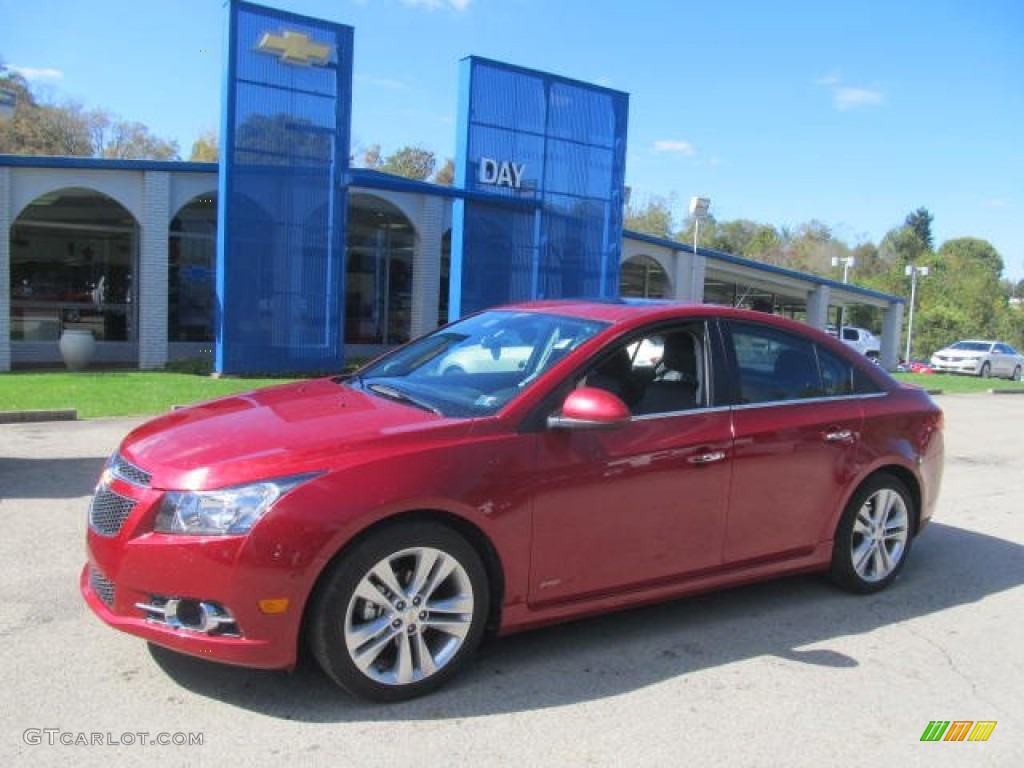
[393,517]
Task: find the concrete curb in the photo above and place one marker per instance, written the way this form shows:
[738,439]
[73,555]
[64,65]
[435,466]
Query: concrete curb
[25,417]
[1006,391]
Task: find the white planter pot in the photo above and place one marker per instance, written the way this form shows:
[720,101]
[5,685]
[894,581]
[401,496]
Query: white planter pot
[77,348]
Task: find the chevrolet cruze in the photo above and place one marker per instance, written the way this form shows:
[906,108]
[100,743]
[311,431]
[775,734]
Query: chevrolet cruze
[386,521]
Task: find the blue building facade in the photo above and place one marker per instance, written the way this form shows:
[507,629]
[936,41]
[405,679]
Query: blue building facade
[541,159]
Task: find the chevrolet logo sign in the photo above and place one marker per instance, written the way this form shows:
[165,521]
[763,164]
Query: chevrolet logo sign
[295,48]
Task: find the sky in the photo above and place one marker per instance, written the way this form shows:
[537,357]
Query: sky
[853,114]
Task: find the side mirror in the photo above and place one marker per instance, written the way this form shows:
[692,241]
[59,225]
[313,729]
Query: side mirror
[590,408]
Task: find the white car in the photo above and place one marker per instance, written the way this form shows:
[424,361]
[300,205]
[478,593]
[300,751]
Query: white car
[861,339]
[980,358]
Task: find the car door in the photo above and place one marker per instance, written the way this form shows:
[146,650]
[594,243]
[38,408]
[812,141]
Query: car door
[1002,361]
[620,508]
[796,427]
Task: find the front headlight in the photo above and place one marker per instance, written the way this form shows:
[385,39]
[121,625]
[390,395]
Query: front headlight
[222,512]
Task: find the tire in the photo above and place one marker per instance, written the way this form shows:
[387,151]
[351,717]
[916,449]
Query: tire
[1016,374]
[986,369]
[400,613]
[874,535]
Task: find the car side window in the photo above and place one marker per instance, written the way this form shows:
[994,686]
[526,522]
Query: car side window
[837,374]
[657,373]
[776,366]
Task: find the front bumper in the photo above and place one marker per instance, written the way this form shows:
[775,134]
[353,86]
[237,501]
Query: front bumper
[956,366]
[131,569]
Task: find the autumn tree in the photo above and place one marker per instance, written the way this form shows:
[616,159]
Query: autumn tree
[69,129]
[654,218]
[410,162]
[445,175]
[206,148]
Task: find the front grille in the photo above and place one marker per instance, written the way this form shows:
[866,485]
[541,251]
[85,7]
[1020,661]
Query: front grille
[108,511]
[128,472]
[102,586]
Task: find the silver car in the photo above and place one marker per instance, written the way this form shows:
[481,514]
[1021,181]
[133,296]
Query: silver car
[980,358]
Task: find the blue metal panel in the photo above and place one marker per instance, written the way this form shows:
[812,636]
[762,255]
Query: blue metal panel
[283,199]
[557,146]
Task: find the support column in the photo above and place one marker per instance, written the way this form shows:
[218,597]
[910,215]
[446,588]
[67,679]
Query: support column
[690,271]
[817,307]
[892,328]
[426,267]
[152,293]
[5,269]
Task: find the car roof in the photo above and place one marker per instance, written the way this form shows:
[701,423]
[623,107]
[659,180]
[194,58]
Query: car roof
[643,311]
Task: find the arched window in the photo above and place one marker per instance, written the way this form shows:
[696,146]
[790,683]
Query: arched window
[73,258]
[641,277]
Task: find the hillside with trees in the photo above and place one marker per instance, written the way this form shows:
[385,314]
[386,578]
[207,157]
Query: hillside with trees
[964,295]
[71,130]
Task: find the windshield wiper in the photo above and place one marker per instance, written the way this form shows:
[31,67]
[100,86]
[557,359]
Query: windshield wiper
[391,393]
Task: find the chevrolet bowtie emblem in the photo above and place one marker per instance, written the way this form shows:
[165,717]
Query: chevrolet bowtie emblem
[294,48]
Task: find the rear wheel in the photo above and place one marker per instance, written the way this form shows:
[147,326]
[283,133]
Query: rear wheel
[1016,374]
[400,613]
[874,535]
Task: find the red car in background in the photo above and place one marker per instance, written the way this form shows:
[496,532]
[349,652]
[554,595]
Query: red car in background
[393,517]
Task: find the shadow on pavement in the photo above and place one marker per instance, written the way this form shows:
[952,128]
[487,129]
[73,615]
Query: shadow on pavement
[48,478]
[621,652]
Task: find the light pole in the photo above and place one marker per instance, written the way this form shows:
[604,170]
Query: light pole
[912,272]
[698,210]
[848,262]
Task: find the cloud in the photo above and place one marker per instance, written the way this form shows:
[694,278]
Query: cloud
[997,203]
[846,97]
[675,147]
[35,73]
[434,5]
[381,82]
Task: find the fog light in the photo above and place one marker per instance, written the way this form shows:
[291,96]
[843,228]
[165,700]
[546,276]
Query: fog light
[192,615]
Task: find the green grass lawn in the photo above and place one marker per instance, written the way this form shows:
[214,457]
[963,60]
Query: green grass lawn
[123,393]
[950,384]
[144,393]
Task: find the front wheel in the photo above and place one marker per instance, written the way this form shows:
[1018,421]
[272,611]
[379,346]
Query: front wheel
[400,613]
[1016,374]
[986,369]
[874,536]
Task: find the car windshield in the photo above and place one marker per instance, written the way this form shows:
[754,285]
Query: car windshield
[477,365]
[971,346]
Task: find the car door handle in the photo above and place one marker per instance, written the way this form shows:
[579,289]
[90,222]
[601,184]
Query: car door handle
[839,436]
[707,458]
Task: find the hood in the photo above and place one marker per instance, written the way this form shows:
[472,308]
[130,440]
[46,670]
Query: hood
[964,354]
[276,432]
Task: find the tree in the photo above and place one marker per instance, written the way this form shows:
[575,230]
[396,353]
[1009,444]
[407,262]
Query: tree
[410,162]
[132,140]
[445,175]
[921,222]
[968,252]
[372,158]
[655,218]
[71,130]
[206,147]
[40,129]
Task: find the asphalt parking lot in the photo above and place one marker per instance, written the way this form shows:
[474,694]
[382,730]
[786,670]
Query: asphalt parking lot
[787,673]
